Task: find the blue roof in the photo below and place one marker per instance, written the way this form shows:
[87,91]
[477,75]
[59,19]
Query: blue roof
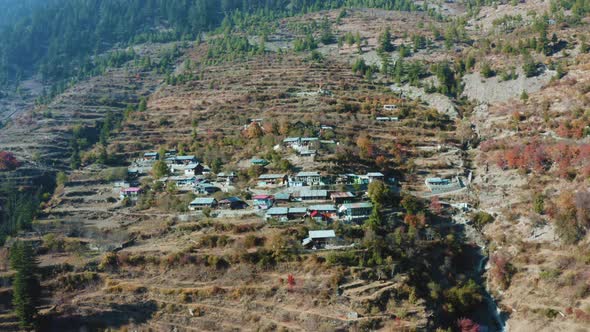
[232,200]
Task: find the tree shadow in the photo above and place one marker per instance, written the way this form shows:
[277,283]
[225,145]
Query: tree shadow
[117,316]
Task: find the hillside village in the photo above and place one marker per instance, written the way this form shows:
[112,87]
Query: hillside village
[384,165]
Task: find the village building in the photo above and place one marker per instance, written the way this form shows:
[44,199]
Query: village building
[283,197]
[355,211]
[312,195]
[285,214]
[263,202]
[149,156]
[131,193]
[439,185]
[342,197]
[375,176]
[297,212]
[303,179]
[121,184]
[133,173]
[227,177]
[191,169]
[182,160]
[323,211]
[319,239]
[259,162]
[272,180]
[233,203]
[307,153]
[292,142]
[279,213]
[181,180]
[307,141]
[202,202]
[206,189]
[387,119]
[389,107]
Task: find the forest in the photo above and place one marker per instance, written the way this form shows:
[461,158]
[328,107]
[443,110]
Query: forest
[55,39]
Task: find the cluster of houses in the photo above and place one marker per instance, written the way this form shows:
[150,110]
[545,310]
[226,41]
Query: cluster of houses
[314,178]
[229,203]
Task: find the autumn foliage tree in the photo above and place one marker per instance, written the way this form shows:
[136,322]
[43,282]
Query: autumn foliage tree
[254,131]
[435,205]
[365,145]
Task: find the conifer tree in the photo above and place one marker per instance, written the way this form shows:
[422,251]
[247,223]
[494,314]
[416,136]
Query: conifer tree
[26,286]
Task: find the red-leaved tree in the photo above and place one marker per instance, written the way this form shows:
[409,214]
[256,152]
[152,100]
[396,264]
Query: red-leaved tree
[8,161]
[467,325]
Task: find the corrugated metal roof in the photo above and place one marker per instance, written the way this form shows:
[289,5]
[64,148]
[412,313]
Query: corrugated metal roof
[322,234]
[203,200]
[375,174]
[347,194]
[283,196]
[357,205]
[322,207]
[313,193]
[298,210]
[271,176]
[278,211]
[303,174]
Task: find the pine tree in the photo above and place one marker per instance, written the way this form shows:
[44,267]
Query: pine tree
[385,44]
[375,221]
[26,286]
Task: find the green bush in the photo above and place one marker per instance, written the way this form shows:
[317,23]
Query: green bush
[481,219]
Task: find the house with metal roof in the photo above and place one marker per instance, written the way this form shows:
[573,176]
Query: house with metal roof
[342,197]
[263,201]
[319,239]
[233,203]
[228,177]
[307,179]
[283,197]
[179,160]
[201,203]
[372,176]
[279,213]
[150,156]
[355,211]
[272,180]
[206,188]
[259,162]
[130,192]
[312,195]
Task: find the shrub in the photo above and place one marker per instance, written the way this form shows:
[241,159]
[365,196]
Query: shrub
[481,219]
[487,71]
[539,203]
